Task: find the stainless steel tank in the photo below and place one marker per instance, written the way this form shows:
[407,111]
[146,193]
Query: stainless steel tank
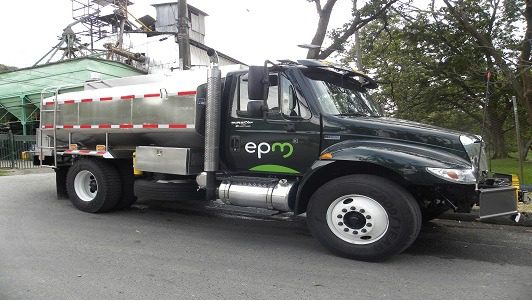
[168,113]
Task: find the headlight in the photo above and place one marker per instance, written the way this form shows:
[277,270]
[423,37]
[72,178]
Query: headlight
[462,176]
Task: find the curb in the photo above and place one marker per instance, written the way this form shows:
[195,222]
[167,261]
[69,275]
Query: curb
[525,219]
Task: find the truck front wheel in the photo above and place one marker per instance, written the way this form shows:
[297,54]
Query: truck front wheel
[93,185]
[364,217]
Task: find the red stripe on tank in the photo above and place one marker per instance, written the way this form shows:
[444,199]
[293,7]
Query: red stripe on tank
[175,125]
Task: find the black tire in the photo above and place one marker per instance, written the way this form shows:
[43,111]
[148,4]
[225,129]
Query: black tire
[109,187]
[125,169]
[402,214]
[167,190]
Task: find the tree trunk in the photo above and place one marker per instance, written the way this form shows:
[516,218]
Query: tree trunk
[325,14]
[323,22]
[498,143]
[358,47]
[524,61]
[495,125]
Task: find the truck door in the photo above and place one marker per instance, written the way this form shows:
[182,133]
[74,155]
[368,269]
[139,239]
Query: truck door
[287,142]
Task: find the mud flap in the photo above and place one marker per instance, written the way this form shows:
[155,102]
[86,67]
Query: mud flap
[60,183]
[495,202]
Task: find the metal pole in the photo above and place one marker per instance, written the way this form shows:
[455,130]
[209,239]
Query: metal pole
[518,136]
[182,35]
[122,8]
[24,118]
[487,77]
[11,148]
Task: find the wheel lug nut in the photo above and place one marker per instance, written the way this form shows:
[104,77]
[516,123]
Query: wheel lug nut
[369,224]
[346,229]
[368,217]
[339,216]
[340,223]
[363,230]
[344,210]
[362,211]
[353,208]
[355,232]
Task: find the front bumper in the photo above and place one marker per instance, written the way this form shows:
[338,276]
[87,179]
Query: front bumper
[498,201]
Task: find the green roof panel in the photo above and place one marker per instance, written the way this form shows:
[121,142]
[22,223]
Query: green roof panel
[29,82]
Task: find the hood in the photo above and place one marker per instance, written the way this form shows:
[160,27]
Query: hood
[367,128]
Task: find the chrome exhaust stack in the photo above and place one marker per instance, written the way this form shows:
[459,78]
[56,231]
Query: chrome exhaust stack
[212,124]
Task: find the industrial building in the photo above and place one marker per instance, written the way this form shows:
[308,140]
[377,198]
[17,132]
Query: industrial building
[20,90]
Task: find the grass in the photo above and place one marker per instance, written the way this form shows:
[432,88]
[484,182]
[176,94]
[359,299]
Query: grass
[511,166]
[3,173]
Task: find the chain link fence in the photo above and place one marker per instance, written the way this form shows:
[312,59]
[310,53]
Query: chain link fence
[13,148]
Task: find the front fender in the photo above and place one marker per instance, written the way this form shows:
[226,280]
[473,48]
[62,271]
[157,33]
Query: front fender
[407,160]
[402,163]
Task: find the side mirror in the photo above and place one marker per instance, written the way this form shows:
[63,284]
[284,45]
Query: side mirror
[258,83]
[256,108]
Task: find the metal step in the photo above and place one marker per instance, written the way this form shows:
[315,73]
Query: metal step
[47,166]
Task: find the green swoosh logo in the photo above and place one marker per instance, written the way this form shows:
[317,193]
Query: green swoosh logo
[274,169]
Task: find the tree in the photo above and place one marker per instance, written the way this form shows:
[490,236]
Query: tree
[516,70]
[485,40]
[430,71]
[372,10]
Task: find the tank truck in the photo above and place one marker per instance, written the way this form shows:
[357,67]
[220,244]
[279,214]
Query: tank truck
[292,136]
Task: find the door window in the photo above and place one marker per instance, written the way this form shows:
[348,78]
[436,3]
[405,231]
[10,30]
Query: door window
[242,99]
[282,99]
[291,104]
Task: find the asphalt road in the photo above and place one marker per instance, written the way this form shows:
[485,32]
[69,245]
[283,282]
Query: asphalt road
[50,250]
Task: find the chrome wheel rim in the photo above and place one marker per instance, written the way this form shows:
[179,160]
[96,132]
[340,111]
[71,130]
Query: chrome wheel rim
[357,219]
[86,185]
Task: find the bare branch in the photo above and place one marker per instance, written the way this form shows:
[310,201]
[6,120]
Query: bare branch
[329,5]
[323,22]
[318,6]
[352,29]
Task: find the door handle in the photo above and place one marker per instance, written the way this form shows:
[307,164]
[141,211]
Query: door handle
[235,143]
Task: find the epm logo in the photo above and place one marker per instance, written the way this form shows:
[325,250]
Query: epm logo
[285,148]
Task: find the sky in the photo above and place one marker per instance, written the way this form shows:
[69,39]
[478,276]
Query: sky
[248,30]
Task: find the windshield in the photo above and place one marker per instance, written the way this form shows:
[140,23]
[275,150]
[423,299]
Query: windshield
[341,95]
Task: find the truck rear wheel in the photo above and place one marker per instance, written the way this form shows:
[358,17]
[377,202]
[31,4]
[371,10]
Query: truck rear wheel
[93,185]
[364,217]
